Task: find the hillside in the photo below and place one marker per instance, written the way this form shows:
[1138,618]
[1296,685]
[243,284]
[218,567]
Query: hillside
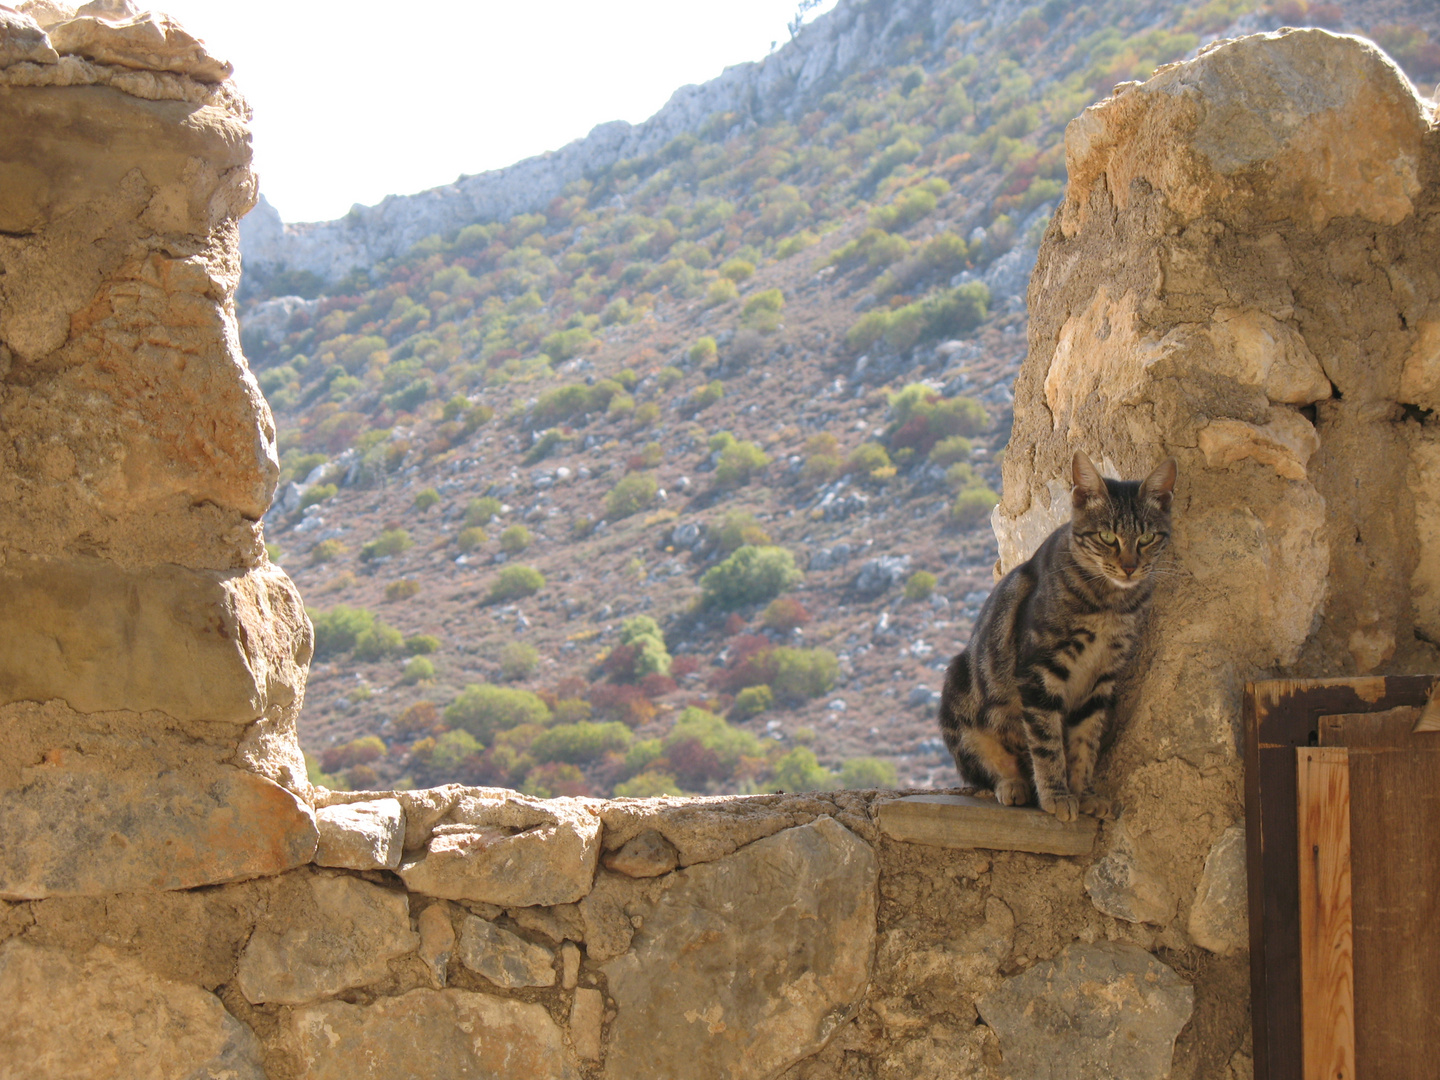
[737,401]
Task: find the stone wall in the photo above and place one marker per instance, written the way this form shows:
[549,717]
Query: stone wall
[1242,275]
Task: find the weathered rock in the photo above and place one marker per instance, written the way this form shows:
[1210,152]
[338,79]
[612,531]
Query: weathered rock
[106,1017]
[1219,918]
[506,959]
[148,40]
[778,937]
[880,573]
[646,855]
[46,13]
[437,941]
[362,835]
[322,934]
[701,830]
[1128,885]
[75,825]
[569,965]
[1105,1011]
[510,850]
[22,41]
[587,1017]
[431,1033]
[194,644]
[560,923]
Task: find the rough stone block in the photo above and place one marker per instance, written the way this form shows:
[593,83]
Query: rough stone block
[646,855]
[510,850]
[105,1017]
[75,826]
[507,960]
[1125,884]
[1105,1011]
[587,1018]
[22,41]
[960,821]
[361,835]
[439,1034]
[778,940]
[1219,917]
[321,934]
[193,644]
[148,41]
[437,941]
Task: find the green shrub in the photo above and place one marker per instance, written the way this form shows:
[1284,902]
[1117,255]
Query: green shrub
[326,551]
[563,344]
[390,542]
[796,675]
[467,540]
[426,498]
[642,754]
[762,311]
[753,700]
[647,785]
[729,744]
[799,770]
[377,642]
[870,461]
[737,270]
[418,670]
[736,529]
[706,396]
[582,743]
[402,589]
[545,445]
[518,660]
[703,351]
[793,245]
[920,419]
[631,495]
[337,630]
[721,291]
[451,749]
[874,248]
[750,575]
[642,635]
[868,772]
[950,450]
[909,206]
[784,614]
[515,539]
[943,314]
[920,585]
[553,780]
[483,709]
[317,493]
[621,406]
[480,511]
[668,376]
[972,507]
[645,414]
[421,644]
[515,583]
[738,463]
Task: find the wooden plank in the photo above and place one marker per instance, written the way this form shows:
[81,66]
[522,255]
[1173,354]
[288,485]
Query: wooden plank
[1280,715]
[1327,974]
[960,821]
[1395,864]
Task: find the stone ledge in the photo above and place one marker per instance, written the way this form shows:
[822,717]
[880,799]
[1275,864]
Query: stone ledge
[962,821]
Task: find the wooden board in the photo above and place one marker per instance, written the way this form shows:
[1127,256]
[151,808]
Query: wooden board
[1279,716]
[960,821]
[1327,972]
[1395,866]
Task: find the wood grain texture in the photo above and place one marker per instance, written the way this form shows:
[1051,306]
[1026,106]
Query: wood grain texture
[1395,869]
[959,821]
[1327,973]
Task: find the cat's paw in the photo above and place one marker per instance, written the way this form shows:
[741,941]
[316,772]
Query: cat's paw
[1099,806]
[1064,807]
[1012,792]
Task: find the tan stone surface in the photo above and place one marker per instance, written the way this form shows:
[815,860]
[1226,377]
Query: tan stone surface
[506,959]
[146,40]
[437,941]
[325,933]
[102,1016]
[22,41]
[569,965]
[646,855]
[1219,916]
[777,942]
[74,824]
[587,1017]
[196,645]
[362,835]
[431,1035]
[507,849]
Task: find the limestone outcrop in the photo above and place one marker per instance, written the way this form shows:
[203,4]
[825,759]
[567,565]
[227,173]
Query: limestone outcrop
[1242,275]
[153,661]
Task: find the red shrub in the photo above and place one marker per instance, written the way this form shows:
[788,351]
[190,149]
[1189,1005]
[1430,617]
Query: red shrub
[656,685]
[628,704]
[694,765]
[681,666]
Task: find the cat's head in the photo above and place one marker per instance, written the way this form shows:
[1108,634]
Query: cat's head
[1120,527]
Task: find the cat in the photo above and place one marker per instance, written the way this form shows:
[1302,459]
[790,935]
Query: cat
[1027,701]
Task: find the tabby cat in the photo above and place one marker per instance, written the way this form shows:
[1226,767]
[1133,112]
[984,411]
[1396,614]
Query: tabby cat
[1025,704]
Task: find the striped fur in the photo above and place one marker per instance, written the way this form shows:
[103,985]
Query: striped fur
[1025,705]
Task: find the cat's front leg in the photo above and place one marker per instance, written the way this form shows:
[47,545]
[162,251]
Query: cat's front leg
[1044,719]
[1084,727]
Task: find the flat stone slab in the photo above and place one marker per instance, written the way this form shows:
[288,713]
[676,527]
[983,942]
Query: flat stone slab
[961,821]
[104,1015]
[1107,1011]
[431,1035]
[361,835]
[506,959]
[74,826]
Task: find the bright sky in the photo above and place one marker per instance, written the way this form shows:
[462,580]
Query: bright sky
[360,100]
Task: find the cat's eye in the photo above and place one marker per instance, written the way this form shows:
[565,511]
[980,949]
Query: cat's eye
[1107,537]
[1147,538]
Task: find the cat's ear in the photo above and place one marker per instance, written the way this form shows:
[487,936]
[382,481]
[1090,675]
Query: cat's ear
[1158,486]
[1089,484]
